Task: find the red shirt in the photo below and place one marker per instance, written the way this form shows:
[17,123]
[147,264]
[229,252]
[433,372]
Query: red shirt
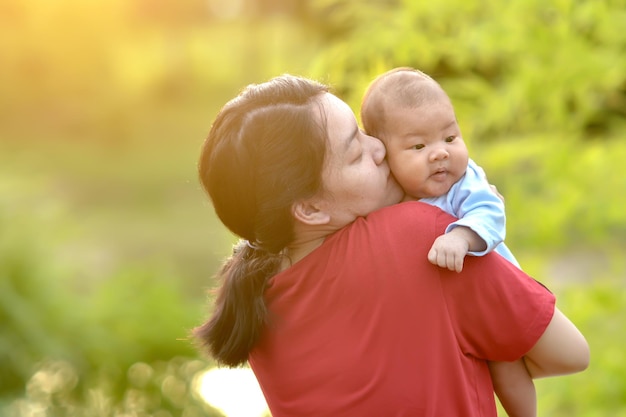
[366,326]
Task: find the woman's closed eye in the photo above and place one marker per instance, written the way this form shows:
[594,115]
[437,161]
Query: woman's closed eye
[357,153]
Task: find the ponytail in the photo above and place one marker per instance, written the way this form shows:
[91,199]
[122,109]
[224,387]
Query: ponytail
[264,152]
[240,311]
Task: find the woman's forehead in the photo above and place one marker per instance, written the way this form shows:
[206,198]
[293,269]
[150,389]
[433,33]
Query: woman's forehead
[336,111]
[341,125]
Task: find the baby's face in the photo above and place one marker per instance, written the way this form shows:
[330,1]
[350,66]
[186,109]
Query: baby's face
[425,150]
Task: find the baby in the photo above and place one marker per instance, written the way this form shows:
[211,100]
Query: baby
[414,117]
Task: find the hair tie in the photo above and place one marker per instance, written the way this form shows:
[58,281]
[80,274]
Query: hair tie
[253,245]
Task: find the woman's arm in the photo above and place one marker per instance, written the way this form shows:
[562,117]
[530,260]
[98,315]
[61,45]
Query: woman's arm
[560,350]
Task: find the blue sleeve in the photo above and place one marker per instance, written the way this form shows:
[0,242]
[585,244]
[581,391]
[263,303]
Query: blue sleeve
[478,208]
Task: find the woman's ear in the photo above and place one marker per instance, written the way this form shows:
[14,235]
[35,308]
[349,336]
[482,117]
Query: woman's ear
[309,212]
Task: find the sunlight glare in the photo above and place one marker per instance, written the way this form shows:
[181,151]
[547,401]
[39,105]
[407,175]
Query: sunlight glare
[235,392]
[226,9]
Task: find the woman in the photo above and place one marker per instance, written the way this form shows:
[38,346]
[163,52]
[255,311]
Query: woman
[330,295]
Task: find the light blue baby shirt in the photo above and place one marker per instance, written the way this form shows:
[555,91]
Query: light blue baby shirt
[476,206]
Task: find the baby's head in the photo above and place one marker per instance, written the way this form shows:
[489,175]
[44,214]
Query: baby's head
[402,87]
[414,117]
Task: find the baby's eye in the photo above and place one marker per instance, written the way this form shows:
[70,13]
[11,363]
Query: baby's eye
[450,139]
[418,146]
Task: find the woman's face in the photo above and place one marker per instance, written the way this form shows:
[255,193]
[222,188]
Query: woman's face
[356,177]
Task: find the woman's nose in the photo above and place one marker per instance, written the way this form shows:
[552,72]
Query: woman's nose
[377,148]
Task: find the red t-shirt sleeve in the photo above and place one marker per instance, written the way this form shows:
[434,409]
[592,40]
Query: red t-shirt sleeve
[498,311]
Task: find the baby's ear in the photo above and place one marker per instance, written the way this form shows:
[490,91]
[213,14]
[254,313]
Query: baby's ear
[308,212]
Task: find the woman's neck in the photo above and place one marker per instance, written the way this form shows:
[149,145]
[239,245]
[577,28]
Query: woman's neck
[298,250]
[307,238]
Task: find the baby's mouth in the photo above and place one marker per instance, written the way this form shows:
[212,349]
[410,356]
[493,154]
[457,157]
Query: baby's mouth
[439,173]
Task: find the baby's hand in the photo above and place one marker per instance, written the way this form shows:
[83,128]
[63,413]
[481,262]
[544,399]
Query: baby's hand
[449,250]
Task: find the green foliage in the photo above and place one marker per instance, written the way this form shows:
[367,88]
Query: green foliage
[26,288]
[539,89]
[509,67]
[597,310]
[559,192]
[162,388]
[70,342]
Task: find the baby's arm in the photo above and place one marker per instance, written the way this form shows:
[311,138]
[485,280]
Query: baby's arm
[450,249]
[481,221]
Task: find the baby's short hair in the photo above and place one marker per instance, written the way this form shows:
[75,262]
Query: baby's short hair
[402,87]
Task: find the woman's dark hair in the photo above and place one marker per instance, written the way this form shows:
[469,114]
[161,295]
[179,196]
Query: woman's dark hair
[264,152]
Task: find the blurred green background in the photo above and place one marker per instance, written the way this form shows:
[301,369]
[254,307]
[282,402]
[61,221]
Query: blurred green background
[108,245]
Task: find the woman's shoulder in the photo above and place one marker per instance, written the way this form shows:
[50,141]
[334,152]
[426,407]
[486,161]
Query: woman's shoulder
[409,210]
[410,216]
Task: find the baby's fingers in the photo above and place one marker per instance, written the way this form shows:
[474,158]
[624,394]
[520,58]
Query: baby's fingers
[453,262]
[432,256]
[438,257]
[458,264]
[443,259]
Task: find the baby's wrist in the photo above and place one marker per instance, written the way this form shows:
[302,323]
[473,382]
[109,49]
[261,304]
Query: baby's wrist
[474,242]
